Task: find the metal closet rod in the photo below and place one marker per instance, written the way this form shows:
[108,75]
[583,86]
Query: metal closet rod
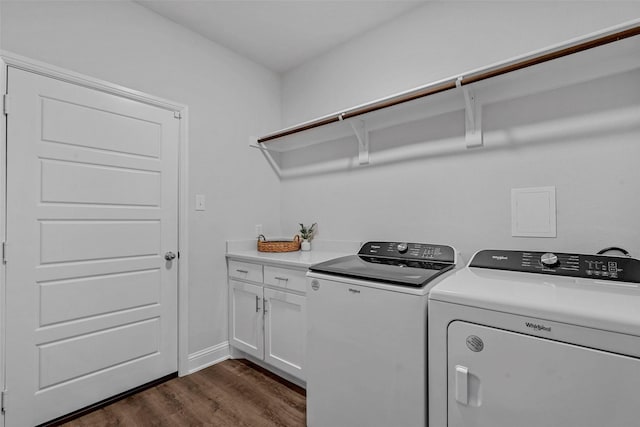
[464,80]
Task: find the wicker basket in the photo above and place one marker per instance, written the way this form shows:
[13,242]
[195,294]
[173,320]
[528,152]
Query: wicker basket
[265,245]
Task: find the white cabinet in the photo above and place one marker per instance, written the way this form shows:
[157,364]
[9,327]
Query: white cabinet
[284,330]
[247,319]
[245,271]
[267,314]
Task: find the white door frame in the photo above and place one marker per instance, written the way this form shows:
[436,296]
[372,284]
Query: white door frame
[180,110]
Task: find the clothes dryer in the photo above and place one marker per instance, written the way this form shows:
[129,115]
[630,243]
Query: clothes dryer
[532,339]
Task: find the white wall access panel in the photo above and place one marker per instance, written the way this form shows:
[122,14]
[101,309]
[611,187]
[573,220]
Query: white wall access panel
[533,212]
[502,378]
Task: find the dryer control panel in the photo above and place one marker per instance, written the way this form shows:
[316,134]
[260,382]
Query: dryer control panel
[621,269]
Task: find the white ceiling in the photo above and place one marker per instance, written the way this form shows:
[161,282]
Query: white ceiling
[280,34]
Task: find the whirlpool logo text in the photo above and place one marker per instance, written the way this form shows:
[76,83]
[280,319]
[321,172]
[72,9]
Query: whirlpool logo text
[538,327]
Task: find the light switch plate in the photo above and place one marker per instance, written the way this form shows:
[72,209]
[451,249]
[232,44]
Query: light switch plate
[200,206]
[533,212]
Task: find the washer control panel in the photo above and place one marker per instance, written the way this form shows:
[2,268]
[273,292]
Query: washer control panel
[601,267]
[404,250]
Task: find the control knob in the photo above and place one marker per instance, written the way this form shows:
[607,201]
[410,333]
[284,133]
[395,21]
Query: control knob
[402,247]
[549,259]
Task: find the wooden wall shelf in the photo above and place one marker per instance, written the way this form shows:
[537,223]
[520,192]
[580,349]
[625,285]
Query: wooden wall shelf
[601,54]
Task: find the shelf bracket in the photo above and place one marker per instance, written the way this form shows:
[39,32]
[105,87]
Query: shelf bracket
[253,143]
[473,117]
[362,134]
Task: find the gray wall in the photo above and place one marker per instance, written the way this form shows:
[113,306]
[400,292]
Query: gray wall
[436,41]
[582,138]
[445,193]
[229,98]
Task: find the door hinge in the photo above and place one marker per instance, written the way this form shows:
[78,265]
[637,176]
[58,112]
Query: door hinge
[4,252]
[177,115]
[6,103]
[3,401]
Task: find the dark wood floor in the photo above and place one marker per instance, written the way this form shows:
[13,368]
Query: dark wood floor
[231,393]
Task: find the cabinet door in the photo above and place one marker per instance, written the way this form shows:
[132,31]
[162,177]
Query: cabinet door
[285,329]
[246,318]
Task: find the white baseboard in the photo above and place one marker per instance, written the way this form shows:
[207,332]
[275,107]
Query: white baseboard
[209,356]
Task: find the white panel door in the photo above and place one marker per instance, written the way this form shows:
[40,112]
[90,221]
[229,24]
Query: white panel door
[285,329]
[246,319]
[498,378]
[91,303]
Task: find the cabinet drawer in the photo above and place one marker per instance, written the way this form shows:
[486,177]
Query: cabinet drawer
[245,270]
[285,278]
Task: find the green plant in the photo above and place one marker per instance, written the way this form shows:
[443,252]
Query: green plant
[307,232]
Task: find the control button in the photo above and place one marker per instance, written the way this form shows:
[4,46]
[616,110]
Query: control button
[549,259]
[402,247]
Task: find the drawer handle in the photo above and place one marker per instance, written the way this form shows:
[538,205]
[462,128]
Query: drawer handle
[242,271]
[282,278]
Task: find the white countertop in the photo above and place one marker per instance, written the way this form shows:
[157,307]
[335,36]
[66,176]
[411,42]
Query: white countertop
[321,250]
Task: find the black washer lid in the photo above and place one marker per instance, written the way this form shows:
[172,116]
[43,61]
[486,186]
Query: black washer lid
[408,264]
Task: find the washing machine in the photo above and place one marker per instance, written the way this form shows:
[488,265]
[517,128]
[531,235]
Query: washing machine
[366,334]
[533,339]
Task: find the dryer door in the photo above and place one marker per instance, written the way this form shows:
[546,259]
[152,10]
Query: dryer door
[501,378]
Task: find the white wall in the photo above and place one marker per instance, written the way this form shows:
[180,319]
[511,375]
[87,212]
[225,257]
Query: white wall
[436,41]
[455,196]
[229,98]
[583,139]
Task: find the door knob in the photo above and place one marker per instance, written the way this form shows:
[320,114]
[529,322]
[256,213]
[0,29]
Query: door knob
[169,256]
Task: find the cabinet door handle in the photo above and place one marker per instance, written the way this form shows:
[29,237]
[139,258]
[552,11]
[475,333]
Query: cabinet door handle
[242,271]
[257,303]
[286,279]
[264,304]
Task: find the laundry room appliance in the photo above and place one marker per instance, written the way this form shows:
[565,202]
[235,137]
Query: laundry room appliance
[366,334]
[532,339]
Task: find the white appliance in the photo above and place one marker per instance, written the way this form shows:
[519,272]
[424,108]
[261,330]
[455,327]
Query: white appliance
[530,339]
[366,335]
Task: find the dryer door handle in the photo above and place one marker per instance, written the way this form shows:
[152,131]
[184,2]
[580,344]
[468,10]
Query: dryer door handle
[462,384]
